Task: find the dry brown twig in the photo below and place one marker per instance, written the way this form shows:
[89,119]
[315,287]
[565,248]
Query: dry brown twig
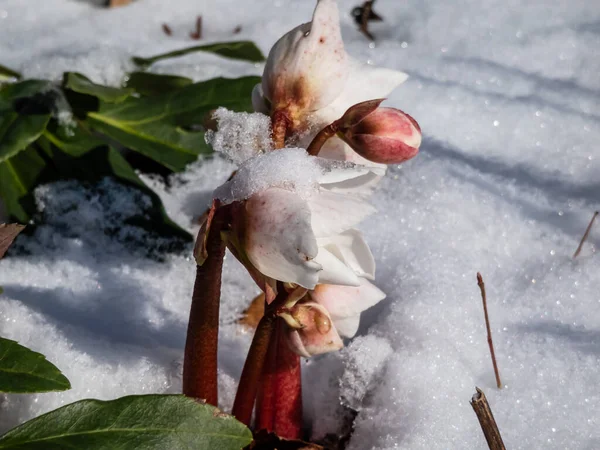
[481,285]
[363,15]
[585,235]
[167,29]
[197,34]
[486,420]
[115,3]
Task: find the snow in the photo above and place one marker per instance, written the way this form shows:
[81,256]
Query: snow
[292,169]
[240,135]
[506,94]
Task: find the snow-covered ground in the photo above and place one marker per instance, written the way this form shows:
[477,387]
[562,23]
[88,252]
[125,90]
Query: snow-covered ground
[507,95]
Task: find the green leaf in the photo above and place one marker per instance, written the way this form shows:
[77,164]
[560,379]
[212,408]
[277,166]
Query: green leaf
[23,116]
[244,50]
[81,84]
[19,176]
[8,233]
[163,127]
[147,83]
[84,157]
[8,74]
[149,422]
[25,371]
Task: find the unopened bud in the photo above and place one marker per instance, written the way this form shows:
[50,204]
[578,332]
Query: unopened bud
[385,135]
[312,332]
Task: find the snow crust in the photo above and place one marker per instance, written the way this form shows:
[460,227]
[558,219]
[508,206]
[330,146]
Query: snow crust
[506,93]
[292,169]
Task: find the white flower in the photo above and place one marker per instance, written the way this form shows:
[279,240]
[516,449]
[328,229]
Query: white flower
[317,324]
[294,231]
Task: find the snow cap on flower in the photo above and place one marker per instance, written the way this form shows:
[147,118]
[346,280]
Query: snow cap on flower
[306,69]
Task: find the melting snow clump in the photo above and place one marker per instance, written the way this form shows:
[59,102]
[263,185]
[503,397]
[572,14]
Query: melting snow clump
[240,135]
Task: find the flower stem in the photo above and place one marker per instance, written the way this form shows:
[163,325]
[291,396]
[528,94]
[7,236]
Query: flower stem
[257,354]
[200,360]
[280,122]
[322,136]
[253,367]
[279,400]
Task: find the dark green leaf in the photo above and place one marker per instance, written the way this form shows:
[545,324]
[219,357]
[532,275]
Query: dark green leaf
[149,422]
[244,50]
[8,74]
[81,84]
[19,176]
[8,233]
[147,83]
[23,370]
[23,116]
[159,126]
[77,155]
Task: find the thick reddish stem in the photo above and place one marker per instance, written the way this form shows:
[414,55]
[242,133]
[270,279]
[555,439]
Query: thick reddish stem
[253,368]
[255,361]
[279,400]
[200,360]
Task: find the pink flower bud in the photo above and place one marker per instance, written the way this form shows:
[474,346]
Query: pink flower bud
[312,331]
[386,135]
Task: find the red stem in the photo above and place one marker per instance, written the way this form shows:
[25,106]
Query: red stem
[253,367]
[279,400]
[200,360]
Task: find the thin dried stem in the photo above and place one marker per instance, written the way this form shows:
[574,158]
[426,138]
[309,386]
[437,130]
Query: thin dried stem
[585,236]
[489,330]
[486,420]
[197,33]
[364,22]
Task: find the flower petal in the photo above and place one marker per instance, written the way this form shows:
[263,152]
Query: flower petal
[258,100]
[307,67]
[343,302]
[334,270]
[347,327]
[351,248]
[364,83]
[334,213]
[278,238]
[335,171]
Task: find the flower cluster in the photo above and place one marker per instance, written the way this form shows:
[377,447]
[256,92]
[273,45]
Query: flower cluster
[289,212]
[295,214]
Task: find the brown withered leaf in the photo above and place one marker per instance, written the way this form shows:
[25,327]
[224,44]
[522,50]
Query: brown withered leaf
[254,313]
[270,441]
[8,233]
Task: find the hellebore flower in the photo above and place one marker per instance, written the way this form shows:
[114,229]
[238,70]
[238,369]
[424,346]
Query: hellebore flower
[289,227]
[320,80]
[316,325]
